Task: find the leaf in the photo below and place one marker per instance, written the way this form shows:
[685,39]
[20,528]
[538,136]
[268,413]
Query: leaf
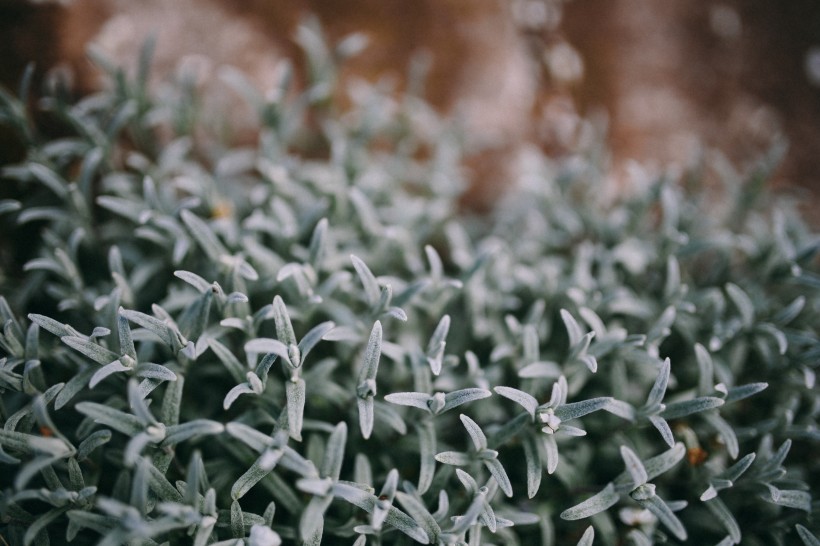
[527,401]
[463,396]
[40,524]
[736,470]
[95,352]
[234,393]
[588,537]
[194,280]
[497,470]
[311,522]
[540,369]
[790,498]
[676,410]
[251,437]
[284,328]
[726,432]
[744,391]
[550,452]
[534,468]
[116,419]
[161,329]
[574,410]
[475,432]
[254,475]
[743,303]
[372,354]
[806,536]
[314,336]
[706,380]
[368,280]
[722,513]
[266,345]
[92,442]
[663,427]
[634,466]
[573,329]
[105,371]
[659,388]
[416,510]
[662,511]
[593,505]
[427,454]
[175,434]
[413,399]
[204,236]
[456,458]
[654,466]
[295,394]
[334,452]
[231,363]
[366,415]
[155,371]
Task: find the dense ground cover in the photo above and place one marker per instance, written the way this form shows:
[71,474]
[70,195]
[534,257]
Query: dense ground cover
[308,339]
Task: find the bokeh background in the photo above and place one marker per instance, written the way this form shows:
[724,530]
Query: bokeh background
[686,84]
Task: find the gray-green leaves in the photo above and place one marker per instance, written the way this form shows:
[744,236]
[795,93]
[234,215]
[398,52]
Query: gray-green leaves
[481,452]
[366,387]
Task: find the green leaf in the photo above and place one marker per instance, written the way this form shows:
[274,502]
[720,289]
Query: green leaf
[295,395]
[255,474]
[588,537]
[744,391]
[574,330]
[662,511]
[497,470]
[334,452]
[203,235]
[574,410]
[634,466]
[372,354]
[368,280]
[676,410]
[743,303]
[534,469]
[659,388]
[175,434]
[95,352]
[806,536]
[463,396]
[314,336]
[722,513]
[593,505]
[475,432]
[110,417]
[527,401]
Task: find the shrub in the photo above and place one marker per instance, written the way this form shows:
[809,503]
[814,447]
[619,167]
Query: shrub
[246,346]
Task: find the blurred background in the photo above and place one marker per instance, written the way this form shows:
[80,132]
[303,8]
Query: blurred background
[682,83]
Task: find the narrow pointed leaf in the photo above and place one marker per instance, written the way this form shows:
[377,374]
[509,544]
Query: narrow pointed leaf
[579,409]
[95,352]
[663,427]
[676,410]
[527,401]
[657,506]
[475,432]
[634,466]
[659,388]
[593,505]
[368,280]
[295,395]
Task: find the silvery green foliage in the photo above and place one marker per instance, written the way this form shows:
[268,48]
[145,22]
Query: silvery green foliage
[263,345]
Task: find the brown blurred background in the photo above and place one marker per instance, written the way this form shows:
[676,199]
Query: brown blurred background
[673,79]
